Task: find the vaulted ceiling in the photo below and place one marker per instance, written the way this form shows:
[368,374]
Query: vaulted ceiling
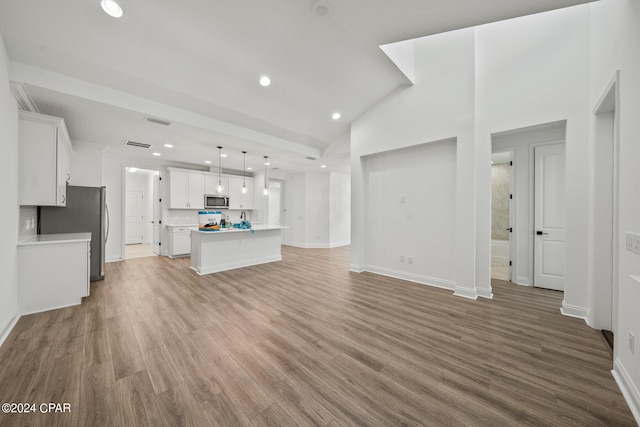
[197,63]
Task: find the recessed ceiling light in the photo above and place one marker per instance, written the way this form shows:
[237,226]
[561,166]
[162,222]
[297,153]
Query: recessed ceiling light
[111,8]
[265,81]
[336,116]
[223,155]
[323,166]
[157,154]
[249,168]
[268,164]
[132,170]
[168,145]
[208,162]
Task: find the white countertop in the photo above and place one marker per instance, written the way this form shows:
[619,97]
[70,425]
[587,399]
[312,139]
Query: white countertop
[49,239]
[181,225]
[241,230]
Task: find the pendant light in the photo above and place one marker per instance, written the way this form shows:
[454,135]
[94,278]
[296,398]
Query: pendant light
[244,172]
[220,187]
[266,189]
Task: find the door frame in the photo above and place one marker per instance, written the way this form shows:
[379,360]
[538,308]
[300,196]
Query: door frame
[123,201]
[607,104]
[142,218]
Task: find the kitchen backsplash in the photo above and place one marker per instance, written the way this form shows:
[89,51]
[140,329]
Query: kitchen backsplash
[28,222]
[179,217]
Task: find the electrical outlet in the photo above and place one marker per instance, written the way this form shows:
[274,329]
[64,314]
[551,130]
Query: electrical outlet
[629,242]
[410,260]
[632,242]
[632,343]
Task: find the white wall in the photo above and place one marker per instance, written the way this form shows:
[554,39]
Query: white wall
[316,210]
[9,209]
[529,71]
[615,45]
[294,211]
[411,194]
[86,165]
[340,209]
[440,106]
[317,198]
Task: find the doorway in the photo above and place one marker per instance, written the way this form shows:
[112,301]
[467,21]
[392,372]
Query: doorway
[522,144]
[500,215]
[142,237]
[275,202]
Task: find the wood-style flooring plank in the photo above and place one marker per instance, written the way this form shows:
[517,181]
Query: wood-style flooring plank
[306,342]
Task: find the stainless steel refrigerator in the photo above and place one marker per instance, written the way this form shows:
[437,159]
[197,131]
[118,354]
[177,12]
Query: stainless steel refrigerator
[86,211]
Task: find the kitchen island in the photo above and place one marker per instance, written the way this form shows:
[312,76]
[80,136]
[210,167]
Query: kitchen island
[226,249]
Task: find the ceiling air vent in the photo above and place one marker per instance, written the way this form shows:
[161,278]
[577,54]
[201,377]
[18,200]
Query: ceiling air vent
[311,158]
[157,121]
[137,144]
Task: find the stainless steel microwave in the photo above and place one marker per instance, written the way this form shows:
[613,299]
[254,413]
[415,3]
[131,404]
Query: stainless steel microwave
[215,201]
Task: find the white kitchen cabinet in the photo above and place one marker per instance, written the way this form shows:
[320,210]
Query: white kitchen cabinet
[179,240]
[43,160]
[211,184]
[53,271]
[238,200]
[186,189]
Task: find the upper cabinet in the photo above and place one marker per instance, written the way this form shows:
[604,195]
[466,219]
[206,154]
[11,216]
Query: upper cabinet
[43,160]
[238,199]
[186,189]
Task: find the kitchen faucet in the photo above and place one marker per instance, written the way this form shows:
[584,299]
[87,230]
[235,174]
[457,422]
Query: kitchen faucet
[243,215]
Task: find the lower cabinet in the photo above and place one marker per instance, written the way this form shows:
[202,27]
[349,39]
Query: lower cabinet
[52,273]
[179,241]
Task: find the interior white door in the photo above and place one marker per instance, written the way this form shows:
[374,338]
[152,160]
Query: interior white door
[133,217]
[155,221]
[550,217]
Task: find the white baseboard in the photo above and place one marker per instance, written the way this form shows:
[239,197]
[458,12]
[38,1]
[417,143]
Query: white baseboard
[237,264]
[627,387]
[316,245]
[8,327]
[484,293]
[356,268]
[411,277]
[574,311]
[113,259]
[469,293]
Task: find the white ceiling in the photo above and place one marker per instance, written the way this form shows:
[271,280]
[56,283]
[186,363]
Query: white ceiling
[197,64]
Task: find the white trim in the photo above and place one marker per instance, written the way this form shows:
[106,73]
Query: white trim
[237,264]
[316,245]
[411,277]
[58,307]
[484,293]
[356,268]
[113,259]
[575,311]
[500,250]
[6,330]
[468,293]
[627,387]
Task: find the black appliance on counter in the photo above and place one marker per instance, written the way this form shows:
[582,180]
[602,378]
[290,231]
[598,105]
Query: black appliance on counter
[86,211]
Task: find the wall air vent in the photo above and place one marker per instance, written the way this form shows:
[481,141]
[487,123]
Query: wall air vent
[137,144]
[157,121]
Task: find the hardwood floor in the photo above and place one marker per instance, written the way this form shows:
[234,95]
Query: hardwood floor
[305,342]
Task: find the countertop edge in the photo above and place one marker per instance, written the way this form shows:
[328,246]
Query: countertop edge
[52,239]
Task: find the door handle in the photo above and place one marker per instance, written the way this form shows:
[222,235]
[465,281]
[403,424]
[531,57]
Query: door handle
[510,229]
[540,233]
